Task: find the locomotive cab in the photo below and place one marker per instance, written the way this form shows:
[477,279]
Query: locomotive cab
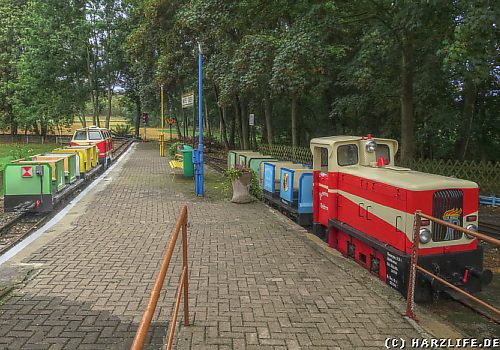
[100,137]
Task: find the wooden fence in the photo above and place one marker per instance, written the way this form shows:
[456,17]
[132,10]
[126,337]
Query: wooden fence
[486,174]
[294,154]
[34,139]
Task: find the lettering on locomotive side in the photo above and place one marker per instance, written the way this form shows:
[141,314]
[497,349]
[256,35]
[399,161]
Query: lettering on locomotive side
[322,206]
[322,194]
[392,282]
[393,267]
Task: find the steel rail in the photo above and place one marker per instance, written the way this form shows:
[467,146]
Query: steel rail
[450,285]
[142,331]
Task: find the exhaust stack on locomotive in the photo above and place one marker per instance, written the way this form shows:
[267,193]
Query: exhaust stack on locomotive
[364,206]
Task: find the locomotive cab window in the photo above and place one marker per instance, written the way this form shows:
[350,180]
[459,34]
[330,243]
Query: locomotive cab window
[324,160]
[384,152]
[347,155]
[80,135]
[94,135]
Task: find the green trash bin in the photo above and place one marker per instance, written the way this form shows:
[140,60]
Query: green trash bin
[187,157]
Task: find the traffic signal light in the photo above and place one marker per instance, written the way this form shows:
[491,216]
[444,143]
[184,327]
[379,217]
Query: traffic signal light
[145,118]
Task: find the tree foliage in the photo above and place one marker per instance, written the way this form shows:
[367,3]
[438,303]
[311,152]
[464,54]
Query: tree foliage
[423,72]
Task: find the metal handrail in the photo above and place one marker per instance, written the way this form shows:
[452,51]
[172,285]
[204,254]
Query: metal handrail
[142,331]
[410,310]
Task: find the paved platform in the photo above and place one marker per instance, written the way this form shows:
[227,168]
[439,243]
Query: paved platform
[256,281]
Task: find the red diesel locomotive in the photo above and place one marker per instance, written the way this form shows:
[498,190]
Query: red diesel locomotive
[364,206]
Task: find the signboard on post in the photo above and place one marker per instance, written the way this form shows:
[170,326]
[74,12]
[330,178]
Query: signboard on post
[187,99]
[251,120]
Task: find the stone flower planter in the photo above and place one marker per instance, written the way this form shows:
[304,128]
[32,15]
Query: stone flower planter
[241,188]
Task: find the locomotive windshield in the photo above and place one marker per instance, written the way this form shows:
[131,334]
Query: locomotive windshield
[347,155]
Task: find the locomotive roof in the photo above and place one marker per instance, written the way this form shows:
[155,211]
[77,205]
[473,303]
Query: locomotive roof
[406,178]
[93,127]
[328,140]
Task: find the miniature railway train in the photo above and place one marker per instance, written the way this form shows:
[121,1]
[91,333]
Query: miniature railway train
[39,182]
[361,204]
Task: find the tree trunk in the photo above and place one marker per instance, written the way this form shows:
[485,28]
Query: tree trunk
[207,121]
[177,123]
[263,139]
[194,122]
[254,138]
[138,108]
[185,125]
[223,118]
[223,131]
[92,96]
[244,124]
[110,99]
[178,128]
[268,116]
[83,121]
[407,108]
[237,117]
[294,121]
[232,132]
[43,129]
[470,97]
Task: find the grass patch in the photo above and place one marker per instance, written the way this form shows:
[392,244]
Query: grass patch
[11,152]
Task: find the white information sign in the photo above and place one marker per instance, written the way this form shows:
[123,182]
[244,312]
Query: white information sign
[188,100]
[251,120]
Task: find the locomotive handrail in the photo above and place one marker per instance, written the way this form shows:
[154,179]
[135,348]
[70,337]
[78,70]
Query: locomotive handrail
[410,310]
[142,331]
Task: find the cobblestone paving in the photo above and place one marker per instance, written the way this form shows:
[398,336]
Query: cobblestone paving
[254,283]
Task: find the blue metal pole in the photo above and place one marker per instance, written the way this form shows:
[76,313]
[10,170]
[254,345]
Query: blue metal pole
[199,173]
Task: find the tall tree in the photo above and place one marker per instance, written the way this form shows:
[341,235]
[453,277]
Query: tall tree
[48,87]
[11,15]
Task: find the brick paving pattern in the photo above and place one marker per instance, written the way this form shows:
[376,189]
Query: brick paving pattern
[254,282]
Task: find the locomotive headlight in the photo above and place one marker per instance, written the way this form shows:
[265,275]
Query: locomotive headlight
[425,235]
[471,227]
[371,146]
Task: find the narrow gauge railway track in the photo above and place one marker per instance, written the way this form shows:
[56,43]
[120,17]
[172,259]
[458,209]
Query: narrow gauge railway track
[218,164]
[475,307]
[489,228]
[14,227]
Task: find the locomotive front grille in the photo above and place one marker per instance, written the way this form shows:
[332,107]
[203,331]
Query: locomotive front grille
[447,205]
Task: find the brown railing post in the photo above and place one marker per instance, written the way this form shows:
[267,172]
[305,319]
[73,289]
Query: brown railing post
[185,264]
[410,303]
[142,331]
